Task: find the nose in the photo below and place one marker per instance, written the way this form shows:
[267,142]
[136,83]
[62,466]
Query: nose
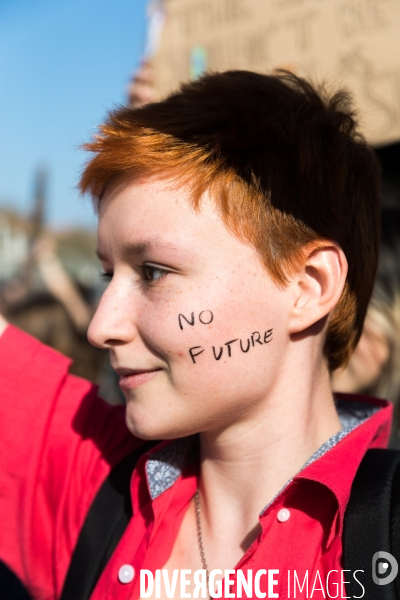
[113,323]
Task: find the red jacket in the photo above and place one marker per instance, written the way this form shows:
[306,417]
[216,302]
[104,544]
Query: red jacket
[59,441]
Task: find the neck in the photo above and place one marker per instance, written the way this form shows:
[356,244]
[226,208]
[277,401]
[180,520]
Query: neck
[245,465]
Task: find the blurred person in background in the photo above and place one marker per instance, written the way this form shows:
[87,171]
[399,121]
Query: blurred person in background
[46,302]
[374,367]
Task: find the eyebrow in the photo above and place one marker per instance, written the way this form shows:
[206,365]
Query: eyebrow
[139,248]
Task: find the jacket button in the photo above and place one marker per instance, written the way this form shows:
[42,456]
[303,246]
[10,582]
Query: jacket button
[126,574]
[283,515]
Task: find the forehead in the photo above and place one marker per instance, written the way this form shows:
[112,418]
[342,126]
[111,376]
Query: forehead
[157,210]
[141,197]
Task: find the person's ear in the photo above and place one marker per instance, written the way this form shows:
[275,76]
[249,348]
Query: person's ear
[319,283]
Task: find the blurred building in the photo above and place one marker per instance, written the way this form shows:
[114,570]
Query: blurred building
[75,248]
[15,232]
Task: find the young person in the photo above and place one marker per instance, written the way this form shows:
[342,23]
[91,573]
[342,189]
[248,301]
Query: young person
[238,229]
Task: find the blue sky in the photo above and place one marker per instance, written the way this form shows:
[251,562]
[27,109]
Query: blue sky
[63,64]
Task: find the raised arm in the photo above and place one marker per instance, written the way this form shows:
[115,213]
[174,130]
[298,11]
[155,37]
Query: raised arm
[55,436]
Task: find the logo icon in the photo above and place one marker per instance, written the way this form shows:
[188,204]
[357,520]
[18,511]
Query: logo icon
[384,568]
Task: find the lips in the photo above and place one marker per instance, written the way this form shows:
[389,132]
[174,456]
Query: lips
[130,379]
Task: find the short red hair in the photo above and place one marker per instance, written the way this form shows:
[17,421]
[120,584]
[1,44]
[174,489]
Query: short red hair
[284,163]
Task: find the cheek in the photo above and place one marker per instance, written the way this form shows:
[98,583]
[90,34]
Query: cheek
[222,356]
[171,331]
[213,337]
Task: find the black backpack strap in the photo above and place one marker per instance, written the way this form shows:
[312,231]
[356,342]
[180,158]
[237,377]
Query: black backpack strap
[369,517]
[104,526]
[395,524]
[11,587]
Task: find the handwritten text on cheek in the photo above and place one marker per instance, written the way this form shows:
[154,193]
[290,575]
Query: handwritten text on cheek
[205,317]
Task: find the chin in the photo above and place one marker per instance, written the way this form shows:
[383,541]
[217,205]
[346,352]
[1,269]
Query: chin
[150,427]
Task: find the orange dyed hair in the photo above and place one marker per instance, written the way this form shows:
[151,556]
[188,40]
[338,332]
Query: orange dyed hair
[284,163]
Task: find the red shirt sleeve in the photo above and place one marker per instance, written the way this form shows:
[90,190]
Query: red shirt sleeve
[58,441]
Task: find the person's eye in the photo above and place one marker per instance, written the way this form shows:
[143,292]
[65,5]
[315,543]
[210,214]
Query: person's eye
[107,276]
[152,273]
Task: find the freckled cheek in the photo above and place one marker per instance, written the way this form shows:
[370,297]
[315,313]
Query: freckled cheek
[172,327]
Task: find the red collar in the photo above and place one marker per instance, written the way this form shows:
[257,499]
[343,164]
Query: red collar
[372,432]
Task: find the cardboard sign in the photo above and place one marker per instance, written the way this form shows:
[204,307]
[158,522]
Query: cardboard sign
[348,43]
